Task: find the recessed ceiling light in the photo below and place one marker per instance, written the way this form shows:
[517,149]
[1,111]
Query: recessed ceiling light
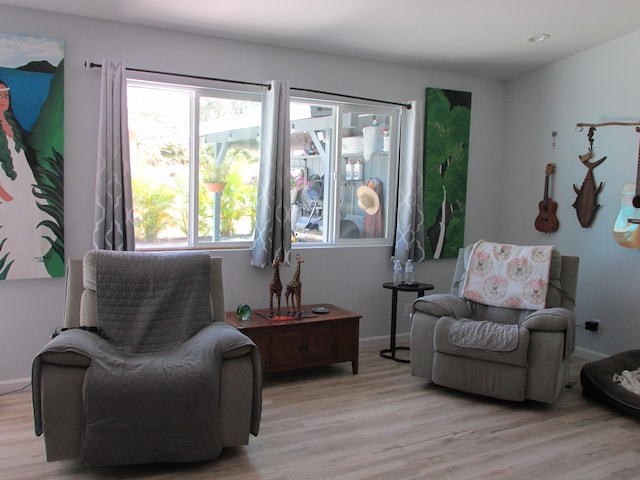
[537,37]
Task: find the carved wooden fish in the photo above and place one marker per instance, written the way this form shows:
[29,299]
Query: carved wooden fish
[586,203]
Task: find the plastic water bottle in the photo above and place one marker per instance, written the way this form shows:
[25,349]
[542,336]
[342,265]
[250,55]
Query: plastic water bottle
[357,170]
[397,272]
[408,272]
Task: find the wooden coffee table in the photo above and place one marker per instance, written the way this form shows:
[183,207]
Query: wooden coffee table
[319,339]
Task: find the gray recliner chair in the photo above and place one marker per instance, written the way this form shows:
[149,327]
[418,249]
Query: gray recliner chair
[534,365]
[181,372]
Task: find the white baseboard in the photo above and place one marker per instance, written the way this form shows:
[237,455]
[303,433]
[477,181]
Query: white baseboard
[383,341]
[587,354]
[15,384]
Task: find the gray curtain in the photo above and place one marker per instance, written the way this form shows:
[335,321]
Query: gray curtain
[410,218]
[113,214]
[272,236]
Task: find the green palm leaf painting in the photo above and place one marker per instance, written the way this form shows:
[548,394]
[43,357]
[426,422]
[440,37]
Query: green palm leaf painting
[446,157]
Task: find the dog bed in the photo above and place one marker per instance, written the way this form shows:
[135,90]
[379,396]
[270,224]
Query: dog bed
[597,382]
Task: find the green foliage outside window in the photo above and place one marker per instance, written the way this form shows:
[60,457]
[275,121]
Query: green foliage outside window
[161,203]
[240,195]
[153,208]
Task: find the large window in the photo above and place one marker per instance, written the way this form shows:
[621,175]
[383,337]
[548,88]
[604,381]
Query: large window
[195,156]
[194,162]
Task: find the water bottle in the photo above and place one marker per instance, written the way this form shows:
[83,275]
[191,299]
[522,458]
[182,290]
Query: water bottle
[357,170]
[408,272]
[349,170]
[397,272]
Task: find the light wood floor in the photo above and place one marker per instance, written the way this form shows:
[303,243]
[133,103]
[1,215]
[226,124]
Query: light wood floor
[379,424]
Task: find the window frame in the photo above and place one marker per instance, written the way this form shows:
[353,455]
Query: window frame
[355,107]
[197,90]
[194,163]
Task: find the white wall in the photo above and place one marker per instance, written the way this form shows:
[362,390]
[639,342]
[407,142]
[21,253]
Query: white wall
[350,277]
[595,86]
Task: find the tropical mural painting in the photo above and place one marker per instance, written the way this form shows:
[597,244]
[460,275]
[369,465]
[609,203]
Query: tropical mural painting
[446,157]
[31,157]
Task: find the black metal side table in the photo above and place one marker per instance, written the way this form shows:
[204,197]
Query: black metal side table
[419,288]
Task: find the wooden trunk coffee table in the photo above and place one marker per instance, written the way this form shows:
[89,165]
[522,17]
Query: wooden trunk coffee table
[315,340]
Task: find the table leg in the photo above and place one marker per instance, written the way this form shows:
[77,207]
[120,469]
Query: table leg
[390,352]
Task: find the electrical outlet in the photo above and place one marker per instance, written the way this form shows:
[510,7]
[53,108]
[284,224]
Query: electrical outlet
[407,309]
[592,325]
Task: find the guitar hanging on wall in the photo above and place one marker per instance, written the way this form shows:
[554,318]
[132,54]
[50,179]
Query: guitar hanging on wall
[625,229]
[547,221]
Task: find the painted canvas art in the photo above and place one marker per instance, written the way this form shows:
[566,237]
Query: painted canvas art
[446,158]
[31,157]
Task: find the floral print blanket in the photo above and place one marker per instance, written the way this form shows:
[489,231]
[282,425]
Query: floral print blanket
[510,276]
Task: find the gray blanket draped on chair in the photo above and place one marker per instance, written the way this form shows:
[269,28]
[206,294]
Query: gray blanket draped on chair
[153,384]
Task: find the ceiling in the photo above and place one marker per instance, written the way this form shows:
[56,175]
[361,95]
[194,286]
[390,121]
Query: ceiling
[475,37]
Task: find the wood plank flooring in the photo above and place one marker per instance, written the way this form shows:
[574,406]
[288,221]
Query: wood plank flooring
[379,424]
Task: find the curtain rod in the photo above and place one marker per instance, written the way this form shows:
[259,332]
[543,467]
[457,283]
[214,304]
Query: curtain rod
[90,65]
[354,97]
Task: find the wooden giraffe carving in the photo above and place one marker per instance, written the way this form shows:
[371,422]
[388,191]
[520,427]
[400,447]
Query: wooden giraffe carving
[294,289]
[275,287]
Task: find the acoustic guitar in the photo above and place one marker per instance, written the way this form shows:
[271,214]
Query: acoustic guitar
[625,229]
[547,221]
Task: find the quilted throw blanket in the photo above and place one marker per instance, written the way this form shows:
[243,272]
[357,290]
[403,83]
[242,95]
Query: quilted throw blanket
[485,335]
[510,276]
[150,303]
[146,388]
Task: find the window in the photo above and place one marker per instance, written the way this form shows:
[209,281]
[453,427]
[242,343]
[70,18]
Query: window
[185,141]
[195,156]
[343,167]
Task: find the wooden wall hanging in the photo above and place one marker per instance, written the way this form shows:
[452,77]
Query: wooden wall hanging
[586,203]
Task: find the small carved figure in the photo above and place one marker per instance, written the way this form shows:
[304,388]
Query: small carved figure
[294,289]
[275,287]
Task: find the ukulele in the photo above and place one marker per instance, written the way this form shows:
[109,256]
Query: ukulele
[546,221]
[625,229]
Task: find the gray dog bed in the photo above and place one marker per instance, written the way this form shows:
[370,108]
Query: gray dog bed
[597,382]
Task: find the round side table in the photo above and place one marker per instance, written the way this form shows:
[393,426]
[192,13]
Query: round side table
[417,287]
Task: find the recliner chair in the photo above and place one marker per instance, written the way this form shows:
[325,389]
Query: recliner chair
[531,364]
[231,392]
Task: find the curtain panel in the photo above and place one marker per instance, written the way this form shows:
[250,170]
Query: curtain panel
[409,242]
[272,236]
[113,213]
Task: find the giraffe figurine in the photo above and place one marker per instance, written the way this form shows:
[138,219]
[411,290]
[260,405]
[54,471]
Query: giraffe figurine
[294,289]
[275,287]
